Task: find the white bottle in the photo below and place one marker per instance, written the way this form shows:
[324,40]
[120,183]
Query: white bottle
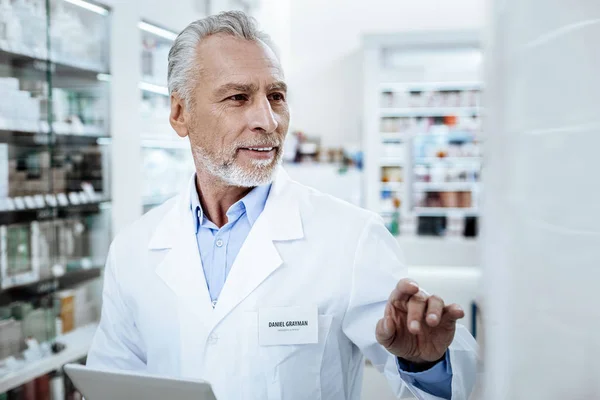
[5,16]
[57,386]
[77,38]
[39,29]
[59,34]
[10,27]
[24,13]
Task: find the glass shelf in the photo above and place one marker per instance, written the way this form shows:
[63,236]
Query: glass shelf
[55,210]
[167,161]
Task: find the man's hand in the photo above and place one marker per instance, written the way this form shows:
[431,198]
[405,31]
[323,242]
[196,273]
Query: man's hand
[417,327]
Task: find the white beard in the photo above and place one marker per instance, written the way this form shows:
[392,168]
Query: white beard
[235,175]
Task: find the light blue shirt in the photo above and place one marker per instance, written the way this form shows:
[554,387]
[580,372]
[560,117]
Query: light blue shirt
[219,247]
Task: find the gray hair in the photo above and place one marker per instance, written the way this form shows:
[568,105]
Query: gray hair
[182,56]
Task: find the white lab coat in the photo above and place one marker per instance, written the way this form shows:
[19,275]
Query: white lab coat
[306,248]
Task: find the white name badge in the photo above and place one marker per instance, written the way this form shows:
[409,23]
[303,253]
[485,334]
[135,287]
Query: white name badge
[288,325]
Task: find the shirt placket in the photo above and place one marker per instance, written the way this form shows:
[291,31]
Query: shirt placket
[220,245]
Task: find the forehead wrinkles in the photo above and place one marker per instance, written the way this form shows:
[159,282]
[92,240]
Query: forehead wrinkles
[249,74]
[226,63]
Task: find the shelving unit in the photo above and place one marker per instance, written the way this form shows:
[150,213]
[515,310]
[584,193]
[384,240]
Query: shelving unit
[55,187]
[77,344]
[422,113]
[166,158]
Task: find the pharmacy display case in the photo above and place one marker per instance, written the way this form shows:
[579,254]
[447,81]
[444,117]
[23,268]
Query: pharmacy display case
[166,158]
[54,168]
[423,132]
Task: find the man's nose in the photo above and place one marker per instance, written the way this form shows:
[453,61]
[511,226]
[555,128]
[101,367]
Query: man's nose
[262,118]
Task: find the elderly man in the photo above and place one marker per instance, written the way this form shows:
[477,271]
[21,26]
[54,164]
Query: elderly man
[264,287]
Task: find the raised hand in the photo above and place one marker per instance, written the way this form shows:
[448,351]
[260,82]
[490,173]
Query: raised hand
[416,326]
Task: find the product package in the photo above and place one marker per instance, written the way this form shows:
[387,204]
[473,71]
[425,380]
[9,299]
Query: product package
[47,245]
[11,338]
[73,244]
[18,260]
[4,168]
[39,324]
[42,388]
[67,310]
[86,310]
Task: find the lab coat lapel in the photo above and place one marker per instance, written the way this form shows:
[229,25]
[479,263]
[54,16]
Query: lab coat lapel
[181,269]
[258,258]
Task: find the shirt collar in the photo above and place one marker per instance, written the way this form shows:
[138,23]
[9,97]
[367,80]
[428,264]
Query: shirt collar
[255,202]
[252,204]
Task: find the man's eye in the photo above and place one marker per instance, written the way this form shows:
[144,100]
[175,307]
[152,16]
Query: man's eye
[238,97]
[277,97]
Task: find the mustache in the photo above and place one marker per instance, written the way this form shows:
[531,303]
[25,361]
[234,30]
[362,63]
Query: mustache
[263,142]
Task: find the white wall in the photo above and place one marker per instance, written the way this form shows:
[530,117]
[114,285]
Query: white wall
[325,63]
[541,234]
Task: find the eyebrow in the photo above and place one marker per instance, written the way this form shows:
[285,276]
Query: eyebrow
[279,85]
[247,88]
[235,87]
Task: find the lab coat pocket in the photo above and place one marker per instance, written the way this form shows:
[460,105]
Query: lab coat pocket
[294,371]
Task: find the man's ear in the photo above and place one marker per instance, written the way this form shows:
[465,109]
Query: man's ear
[178,115]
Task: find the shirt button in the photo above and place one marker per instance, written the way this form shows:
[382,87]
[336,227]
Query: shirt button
[219,243]
[213,339]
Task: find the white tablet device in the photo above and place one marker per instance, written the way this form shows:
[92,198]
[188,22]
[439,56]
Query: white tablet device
[103,385]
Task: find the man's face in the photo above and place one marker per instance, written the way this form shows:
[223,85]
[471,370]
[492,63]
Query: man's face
[238,117]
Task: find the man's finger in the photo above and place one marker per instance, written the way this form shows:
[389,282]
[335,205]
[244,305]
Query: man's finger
[403,292]
[385,331]
[416,310]
[452,313]
[435,308]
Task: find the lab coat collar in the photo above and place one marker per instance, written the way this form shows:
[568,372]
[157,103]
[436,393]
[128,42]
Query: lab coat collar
[181,269]
[279,204]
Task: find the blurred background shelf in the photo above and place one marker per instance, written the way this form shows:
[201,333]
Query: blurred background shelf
[429,112]
[23,57]
[423,127]
[393,136]
[446,186]
[8,217]
[429,86]
[393,162]
[77,344]
[33,138]
[447,160]
[32,290]
[445,212]
[166,159]
[393,186]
